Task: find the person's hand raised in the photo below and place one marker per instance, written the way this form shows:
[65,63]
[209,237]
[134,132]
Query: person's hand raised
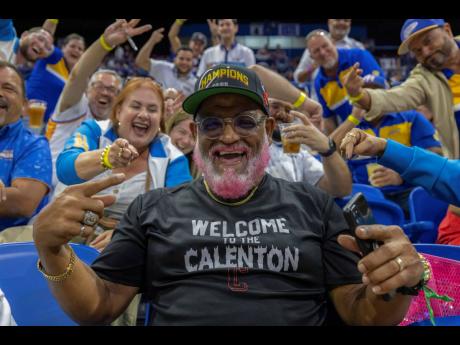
[306,133]
[64,218]
[358,142]
[353,82]
[157,36]
[122,153]
[118,32]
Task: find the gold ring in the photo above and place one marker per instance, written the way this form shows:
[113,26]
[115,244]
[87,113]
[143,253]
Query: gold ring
[120,153]
[400,263]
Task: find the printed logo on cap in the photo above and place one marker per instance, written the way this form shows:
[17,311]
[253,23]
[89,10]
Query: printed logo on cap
[228,73]
[409,30]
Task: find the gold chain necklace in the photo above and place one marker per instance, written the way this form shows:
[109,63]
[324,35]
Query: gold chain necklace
[238,203]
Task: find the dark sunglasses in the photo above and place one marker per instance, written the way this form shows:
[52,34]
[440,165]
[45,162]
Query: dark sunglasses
[244,125]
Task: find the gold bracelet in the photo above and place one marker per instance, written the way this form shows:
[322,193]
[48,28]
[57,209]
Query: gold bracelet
[61,277]
[353,119]
[300,100]
[104,44]
[426,269]
[356,98]
[104,158]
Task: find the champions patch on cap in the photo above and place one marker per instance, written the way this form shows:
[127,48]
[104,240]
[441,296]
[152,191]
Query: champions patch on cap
[227,79]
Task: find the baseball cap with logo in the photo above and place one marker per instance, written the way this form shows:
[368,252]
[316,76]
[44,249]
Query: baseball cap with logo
[227,79]
[415,27]
[198,36]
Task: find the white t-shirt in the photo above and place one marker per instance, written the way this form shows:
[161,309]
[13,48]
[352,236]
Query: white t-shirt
[302,167]
[166,74]
[61,127]
[238,55]
[6,319]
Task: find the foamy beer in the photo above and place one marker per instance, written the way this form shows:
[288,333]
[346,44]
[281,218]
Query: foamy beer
[36,111]
[288,148]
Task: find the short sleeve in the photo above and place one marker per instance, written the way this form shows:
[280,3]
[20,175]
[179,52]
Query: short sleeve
[339,263]
[34,162]
[75,112]
[123,260]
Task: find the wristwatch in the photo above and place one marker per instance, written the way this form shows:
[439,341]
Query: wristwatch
[332,149]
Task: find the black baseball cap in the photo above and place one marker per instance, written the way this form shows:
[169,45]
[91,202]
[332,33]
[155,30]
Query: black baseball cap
[227,79]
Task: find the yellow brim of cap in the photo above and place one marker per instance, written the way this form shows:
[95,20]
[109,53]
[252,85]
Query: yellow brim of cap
[404,47]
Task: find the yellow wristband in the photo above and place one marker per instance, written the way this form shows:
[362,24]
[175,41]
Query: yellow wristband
[353,119]
[180,21]
[54,21]
[300,100]
[104,44]
[105,158]
[357,98]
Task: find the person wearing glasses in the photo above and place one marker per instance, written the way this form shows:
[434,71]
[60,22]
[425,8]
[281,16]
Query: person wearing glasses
[80,99]
[235,247]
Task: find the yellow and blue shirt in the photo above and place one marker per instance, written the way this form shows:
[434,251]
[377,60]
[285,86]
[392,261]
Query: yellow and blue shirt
[23,155]
[330,90]
[408,128]
[47,80]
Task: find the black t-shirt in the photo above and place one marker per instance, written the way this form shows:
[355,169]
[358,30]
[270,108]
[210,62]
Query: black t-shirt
[270,261]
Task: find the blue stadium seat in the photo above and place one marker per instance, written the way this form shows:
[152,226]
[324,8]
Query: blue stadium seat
[386,212]
[424,207]
[370,192]
[25,288]
[441,250]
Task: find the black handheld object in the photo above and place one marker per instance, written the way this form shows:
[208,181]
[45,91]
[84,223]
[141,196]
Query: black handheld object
[357,212]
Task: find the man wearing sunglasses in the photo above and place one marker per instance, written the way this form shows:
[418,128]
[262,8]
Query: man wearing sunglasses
[235,247]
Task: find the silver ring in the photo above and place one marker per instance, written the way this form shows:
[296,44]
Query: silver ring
[90,218]
[82,230]
[400,263]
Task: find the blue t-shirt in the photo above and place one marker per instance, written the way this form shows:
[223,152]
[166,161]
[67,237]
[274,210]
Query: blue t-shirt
[23,155]
[408,128]
[331,92]
[47,80]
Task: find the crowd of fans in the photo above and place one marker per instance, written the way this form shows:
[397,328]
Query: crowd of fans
[112,109]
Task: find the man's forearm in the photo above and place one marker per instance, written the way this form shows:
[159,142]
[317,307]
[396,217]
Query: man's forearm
[173,36]
[78,79]
[50,25]
[18,203]
[82,295]
[143,58]
[373,310]
[337,178]
[365,101]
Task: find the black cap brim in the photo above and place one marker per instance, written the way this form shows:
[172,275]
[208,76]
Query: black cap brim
[193,102]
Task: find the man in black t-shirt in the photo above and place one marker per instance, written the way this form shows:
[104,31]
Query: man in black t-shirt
[236,247]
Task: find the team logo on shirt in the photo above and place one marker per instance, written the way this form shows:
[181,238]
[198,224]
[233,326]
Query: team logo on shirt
[228,73]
